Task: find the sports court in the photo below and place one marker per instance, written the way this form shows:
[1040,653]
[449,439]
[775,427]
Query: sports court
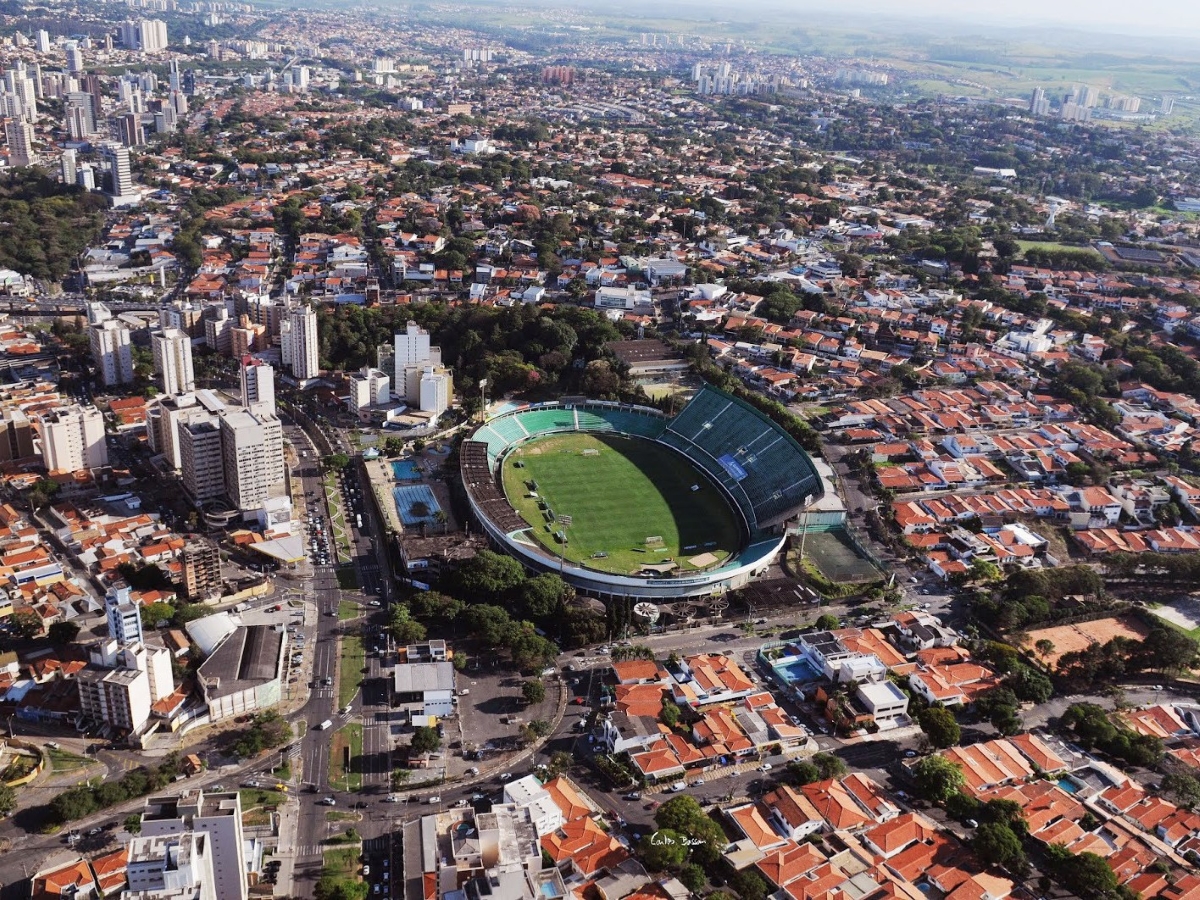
[834,554]
[416,505]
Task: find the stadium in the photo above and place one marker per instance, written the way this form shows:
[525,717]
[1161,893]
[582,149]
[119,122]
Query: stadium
[624,501]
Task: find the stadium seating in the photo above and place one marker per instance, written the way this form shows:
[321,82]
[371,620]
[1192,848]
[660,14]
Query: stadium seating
[509,428]
[767,472]
[590,421]
[545,421]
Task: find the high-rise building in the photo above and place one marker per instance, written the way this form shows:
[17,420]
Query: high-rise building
[73,439]
[19,135]
[129,127]
[69,166]
[16,436]
[74,57]
[411,354]
[437,389]
[80,111]
[147,35]
[1039,103]
[43,41]
[301,348]
[368,387]
[121,171]
[112,352]
[258,384]
[201,463]
[201,568]
[172,350]
[123,615]
[170,866]
[216,815]
[252,450]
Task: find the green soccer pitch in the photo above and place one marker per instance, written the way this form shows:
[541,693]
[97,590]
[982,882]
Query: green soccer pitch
[619,492]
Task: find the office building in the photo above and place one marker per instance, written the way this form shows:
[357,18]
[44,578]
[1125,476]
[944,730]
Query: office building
[112,352]
[73,439]
[201,463]
[368,387]
[171,867]
[172,348]
[201,569]
[436,390]
[299,339]
[252,450]
[258,384]
[218,816]
[19,135]
[123,616]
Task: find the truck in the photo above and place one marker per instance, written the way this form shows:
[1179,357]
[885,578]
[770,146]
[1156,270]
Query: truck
[328,723]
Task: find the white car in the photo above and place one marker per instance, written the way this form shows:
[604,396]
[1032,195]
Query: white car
[433,799]
[765,767]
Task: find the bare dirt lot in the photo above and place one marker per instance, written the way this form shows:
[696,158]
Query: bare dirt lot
[1068,638]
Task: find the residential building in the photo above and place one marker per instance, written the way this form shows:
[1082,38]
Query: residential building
[73,439]
[252,451]
[201,459]
[218,816]
[298,334]
[122,683]
[412,353]
[368,387]
[172,348]
[171,866]
[123,616]
[121,172]
[437,389]
[112,352]
[19,135]
[201,569]
[258,384]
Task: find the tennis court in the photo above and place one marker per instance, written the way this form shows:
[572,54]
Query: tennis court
[836,557]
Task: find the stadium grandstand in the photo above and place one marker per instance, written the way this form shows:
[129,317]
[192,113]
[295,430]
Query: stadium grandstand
[765,476]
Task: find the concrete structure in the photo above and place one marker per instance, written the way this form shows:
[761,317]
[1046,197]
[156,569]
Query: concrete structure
[19,135]
[121,171]
[298,334]
[123,616]
[252,450]
[201,569]
[172,348]
[258,384]
[424,688]
[244,673]
[369,387]
[437,389]
[122,683]
[171,867]
[216,815]
[411,354]
[201,461]
[73,439]
[112,352]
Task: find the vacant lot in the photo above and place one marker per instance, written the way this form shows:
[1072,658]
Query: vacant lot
[1069,638]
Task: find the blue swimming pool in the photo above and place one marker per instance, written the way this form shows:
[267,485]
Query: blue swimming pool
[416,505]
[1068,785]
[797,671]
[405,470]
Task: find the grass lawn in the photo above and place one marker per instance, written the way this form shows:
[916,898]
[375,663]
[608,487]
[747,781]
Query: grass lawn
[252,797]
[63,761]
[334,815]
[624,491]
[342,862]
[347,578]
[353,659]
[347,609]
[1056,246]
[347,736]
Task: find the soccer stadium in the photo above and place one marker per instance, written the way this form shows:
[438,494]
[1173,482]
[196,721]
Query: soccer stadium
[625,501]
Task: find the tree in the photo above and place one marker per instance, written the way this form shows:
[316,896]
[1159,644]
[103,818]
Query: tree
[133,823]
[827,621]
[693,878]
[74,803]
[685,816]
[1029,684]
[404,629]
[26,624]
[669,714]
[424,740]
[801,771]
[534,691]
[749,885]
[62,633]
[543,596]
[1087,875]
[487,575]
[829,766]
[490,624]
[1184,788]
[997,844]
[8,799]
[335,462]
[560,763]
[938,778]
[940,727]
[664,850]
[1044,647]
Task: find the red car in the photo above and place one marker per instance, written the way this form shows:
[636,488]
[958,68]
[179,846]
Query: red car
[579,701]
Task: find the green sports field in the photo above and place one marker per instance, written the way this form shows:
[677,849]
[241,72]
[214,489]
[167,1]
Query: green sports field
[619,492]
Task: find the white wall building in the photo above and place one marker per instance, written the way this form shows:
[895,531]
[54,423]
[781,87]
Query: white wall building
[252,450]
[369,387]
[73,439]
[412,353]
[436,390]
[172,348]
[112,352]
[171,866]
[258,384]
[201,461]
[216,815]
[299,339]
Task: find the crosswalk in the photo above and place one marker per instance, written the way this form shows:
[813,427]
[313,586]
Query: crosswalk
[370,845]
